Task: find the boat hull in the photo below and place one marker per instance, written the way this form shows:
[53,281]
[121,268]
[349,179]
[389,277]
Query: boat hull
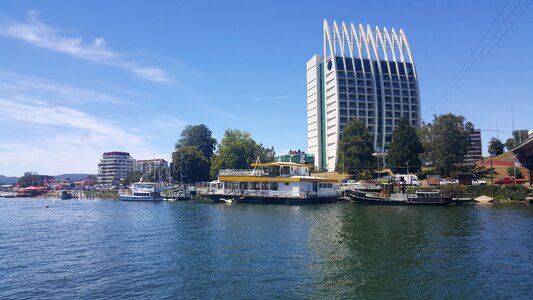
[365,199]
[268,200]
[140,198]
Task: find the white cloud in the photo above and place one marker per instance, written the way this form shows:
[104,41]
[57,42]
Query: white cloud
[41,35]
[41,132]
[69,140]
[13,85]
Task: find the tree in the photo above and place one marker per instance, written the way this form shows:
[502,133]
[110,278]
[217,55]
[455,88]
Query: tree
[495,147]
[193,162]
[159,175]
[133,177]
[405,148]
[33,179]
[355,148]
[238,150]
[198,136]
[446,141]
[518,137]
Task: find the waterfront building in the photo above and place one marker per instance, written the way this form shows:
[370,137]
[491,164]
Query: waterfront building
[474,151]
[148,165]
[114,166]
[363,73]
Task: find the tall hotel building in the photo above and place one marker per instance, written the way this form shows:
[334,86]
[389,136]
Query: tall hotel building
[364,73]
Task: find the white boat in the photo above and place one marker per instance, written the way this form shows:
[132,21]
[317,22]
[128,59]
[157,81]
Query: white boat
[8,194]
[276,182]
[143,191]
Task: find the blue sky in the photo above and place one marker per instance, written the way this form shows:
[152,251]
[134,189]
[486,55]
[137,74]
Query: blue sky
[80,78]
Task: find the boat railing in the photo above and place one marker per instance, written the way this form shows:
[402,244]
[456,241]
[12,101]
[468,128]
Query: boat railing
[260,193]
[236,172]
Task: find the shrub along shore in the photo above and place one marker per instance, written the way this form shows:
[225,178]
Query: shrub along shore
[498,192]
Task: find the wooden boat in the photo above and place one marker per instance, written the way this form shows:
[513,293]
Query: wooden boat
[418,198]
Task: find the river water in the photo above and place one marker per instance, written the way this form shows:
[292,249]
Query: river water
[113,249]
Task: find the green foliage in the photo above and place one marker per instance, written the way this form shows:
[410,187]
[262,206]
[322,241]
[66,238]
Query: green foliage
[518,136]
[133,177]
[446,141]
[198,136]
[495,147]
[160,175]
[195,164]
[498,192]
[453,190]
[405,148]
[33,179]
[355,148]
[238,150]
[511,172]
[503,192]
[423,174]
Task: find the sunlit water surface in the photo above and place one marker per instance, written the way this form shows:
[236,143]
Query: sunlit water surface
[113,249]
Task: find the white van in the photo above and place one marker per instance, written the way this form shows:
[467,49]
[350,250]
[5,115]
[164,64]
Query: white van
[409,179]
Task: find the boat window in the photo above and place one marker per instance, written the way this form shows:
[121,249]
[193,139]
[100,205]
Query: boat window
[220,186]
[264,186]
[254,185]
[285,170]
[243,185]
[286,183]
[273,186]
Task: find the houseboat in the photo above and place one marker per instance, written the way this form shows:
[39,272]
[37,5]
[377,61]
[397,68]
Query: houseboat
[276,182]
[143,191]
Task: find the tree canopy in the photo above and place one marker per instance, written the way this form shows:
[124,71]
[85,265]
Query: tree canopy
[405,148]
[495,147]
[238,150]
[355,148]
[33,179]
[193,162]
[446,141]
[132,177]
[518,136]
[198,136]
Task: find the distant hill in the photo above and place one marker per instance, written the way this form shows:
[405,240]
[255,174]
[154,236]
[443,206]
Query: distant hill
[73,177]
[8,180]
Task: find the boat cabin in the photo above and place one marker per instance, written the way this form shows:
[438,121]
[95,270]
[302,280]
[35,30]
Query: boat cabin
[278,179]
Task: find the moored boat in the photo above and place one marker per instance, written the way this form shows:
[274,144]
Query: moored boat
[276,183]
[418,198]
[143,191]
[65,195]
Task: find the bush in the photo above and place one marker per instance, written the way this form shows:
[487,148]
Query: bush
[519,174]
[503,192]
[423,174]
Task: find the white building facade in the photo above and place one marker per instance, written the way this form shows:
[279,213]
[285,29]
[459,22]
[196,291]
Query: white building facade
[148,165]
[364,73]
[114,166]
